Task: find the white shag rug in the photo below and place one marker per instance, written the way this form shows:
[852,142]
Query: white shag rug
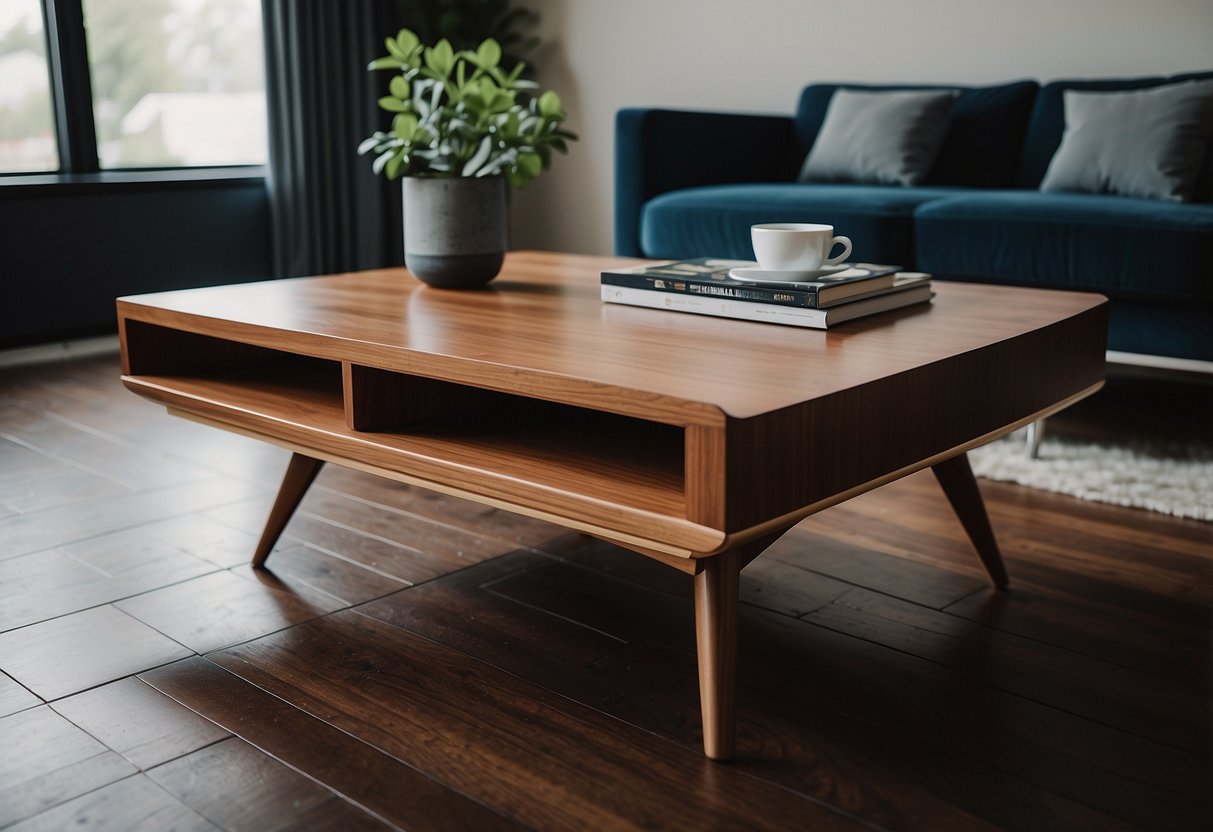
[1163,478]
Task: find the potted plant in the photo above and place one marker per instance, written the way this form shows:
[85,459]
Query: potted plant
[463,128]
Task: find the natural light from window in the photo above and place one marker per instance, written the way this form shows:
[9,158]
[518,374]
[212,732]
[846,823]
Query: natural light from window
[176,83]
[27,124]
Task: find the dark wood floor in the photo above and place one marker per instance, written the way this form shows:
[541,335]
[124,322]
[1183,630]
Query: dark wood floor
[412,661]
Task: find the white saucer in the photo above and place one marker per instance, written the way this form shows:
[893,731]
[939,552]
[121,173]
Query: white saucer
[757,275]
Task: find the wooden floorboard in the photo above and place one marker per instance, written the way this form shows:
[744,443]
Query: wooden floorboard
[503,740]
[592,667]
[236,786]
[133,804]
[47,761]
[360,772]
[144,726]
[413,661]
[30,480]
[75,522]
[938,706]
[75,652]
[14,697]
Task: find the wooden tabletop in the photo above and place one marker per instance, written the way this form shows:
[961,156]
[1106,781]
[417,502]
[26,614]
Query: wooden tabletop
[542,323]
[659,429]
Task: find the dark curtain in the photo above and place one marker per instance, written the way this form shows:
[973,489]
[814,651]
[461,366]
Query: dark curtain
[328,212]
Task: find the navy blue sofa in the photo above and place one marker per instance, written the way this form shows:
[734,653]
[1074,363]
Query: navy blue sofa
[691,184]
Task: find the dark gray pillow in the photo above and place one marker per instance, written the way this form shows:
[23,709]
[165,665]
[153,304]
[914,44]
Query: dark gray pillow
[1146,143]
[886,138]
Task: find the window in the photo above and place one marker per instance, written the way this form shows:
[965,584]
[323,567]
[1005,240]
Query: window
[130,84]
[176,82]
[27,124]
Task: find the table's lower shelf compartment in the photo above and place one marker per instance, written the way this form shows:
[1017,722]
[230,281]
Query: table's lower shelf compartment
[509,447]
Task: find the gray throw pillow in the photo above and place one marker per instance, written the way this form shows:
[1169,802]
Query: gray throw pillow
[886,138]
[1146,143]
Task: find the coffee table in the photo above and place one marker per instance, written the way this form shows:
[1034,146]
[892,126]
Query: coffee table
[695,441]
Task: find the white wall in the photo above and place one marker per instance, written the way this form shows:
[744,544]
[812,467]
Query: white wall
[756,55]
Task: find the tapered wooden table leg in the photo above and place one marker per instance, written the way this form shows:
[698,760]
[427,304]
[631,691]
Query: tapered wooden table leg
[960,486]
[716,638]
[300,473]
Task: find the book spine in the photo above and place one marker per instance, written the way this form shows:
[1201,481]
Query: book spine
[756,294]
[717,307]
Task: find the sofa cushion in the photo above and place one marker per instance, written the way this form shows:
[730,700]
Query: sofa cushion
[715,220]
[1148,143]
[1124,247]
[1048,121]
[880,138]
[981,148]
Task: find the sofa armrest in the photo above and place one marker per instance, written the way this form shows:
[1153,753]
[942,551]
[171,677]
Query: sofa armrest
[664,150]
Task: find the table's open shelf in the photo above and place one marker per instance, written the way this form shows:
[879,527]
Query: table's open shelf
[489,442]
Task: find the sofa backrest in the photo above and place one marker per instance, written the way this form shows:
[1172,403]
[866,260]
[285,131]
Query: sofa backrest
[1048,122]
[983,143]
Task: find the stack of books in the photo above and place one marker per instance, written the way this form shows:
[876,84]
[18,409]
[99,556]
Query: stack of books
[736,289]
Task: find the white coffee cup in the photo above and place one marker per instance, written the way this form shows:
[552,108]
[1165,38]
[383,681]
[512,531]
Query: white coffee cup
[796,246]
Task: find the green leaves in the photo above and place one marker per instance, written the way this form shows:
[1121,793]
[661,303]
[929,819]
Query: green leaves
[402,52]
[405,127]
[407,42]
[530,164]
[461,114]
[394,164]
[440,58]
[393,105]
[489,54]
[549,106]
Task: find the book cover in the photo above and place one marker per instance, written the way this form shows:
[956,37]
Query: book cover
[767,312]
[709,276]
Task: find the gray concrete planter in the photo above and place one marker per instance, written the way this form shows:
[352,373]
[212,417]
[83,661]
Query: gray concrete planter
[455,230]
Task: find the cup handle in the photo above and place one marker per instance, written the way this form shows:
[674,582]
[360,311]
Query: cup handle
[846,252]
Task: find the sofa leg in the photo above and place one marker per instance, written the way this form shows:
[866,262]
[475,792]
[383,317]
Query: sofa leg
[1036,433]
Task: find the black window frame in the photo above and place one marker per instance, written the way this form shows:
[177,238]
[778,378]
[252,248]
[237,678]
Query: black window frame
[75,128]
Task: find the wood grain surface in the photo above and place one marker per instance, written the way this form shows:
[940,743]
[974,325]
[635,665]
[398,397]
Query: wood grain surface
[647,426]
[531,394]
[64,655]
[143,725]
[882,681]
[542,330]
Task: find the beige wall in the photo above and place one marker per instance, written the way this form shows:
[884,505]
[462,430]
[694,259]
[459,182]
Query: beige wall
[756,55]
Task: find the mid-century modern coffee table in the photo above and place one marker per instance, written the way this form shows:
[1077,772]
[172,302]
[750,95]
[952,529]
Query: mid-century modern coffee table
[695,441]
